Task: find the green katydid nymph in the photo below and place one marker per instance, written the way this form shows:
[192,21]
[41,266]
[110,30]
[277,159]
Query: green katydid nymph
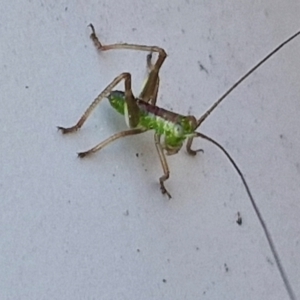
[171,130]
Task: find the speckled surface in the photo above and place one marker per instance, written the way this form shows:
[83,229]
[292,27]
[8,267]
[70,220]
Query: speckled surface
[99,228]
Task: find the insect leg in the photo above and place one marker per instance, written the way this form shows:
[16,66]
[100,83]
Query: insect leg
[151,83]
[132,106]
[189,150]
[153,98]
[164,165]
[149,62]
[110,140]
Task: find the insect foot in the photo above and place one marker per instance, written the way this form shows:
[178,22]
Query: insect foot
[67,130]
[194,152]
[83,154]
[164,190]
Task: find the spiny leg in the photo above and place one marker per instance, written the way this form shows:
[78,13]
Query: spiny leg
[164,165]
[110,140]
[151,83]
[132,106]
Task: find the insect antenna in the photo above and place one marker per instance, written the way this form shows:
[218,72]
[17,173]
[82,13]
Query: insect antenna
[208,112]
[259,216]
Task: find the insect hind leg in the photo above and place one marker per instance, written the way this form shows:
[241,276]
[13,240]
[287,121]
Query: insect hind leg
[152,81]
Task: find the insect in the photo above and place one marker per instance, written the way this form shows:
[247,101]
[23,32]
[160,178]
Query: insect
[171,130]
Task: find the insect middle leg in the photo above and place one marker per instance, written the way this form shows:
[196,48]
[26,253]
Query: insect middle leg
[110,140]
[164,165]
[158,146]
[159,149]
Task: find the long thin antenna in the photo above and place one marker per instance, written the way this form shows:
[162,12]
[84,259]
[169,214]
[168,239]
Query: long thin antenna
[208,112]
[259,216]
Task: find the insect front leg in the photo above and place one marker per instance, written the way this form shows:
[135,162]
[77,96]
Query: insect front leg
[189,150]
[164,165]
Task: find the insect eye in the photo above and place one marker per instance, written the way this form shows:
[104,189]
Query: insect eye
[178,130]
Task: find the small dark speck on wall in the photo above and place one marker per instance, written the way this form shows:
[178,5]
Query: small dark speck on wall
[239,220]
[202,68]
[226,268]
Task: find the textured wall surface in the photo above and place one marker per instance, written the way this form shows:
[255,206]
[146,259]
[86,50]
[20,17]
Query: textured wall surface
[99,228]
